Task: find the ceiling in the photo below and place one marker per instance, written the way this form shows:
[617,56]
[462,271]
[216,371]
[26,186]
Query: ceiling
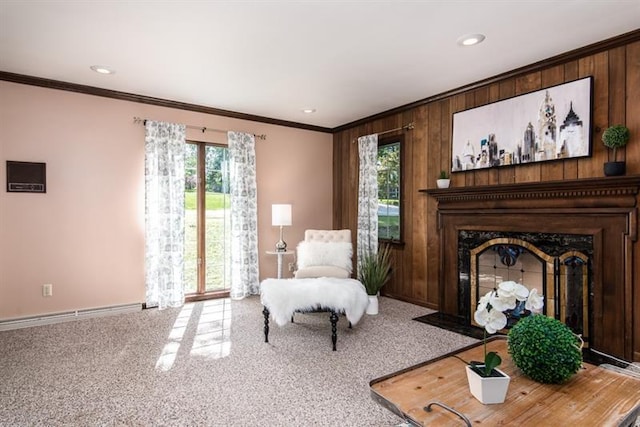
[345,59]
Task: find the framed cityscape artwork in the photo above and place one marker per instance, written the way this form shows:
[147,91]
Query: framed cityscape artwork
[548,124]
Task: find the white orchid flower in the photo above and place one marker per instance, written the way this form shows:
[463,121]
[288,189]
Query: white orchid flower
[491,307]
[481,315]
[512,289]
[535,302]
[521,292]
[492,321]
[482,304]
[506,289]
[502,303]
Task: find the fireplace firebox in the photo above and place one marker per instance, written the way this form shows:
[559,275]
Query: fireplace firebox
[558,266]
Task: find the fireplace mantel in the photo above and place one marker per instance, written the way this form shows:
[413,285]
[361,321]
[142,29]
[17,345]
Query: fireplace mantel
[586,193]
[605,208]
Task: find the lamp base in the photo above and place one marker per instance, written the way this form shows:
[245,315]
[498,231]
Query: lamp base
[281,246]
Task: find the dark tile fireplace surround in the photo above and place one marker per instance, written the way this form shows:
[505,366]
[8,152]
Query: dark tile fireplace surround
[573,240]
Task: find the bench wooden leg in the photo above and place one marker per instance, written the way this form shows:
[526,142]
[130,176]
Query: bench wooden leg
[265,311]
[333,317]
[334,329]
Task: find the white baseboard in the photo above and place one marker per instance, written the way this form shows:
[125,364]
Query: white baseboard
[48,319]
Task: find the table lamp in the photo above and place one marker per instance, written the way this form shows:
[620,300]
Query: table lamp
[281,216]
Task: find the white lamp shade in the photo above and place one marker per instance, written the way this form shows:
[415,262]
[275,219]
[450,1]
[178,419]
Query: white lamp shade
[280,214]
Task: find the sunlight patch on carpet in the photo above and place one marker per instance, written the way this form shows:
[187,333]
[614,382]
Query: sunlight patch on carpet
[170,350]
[213,334]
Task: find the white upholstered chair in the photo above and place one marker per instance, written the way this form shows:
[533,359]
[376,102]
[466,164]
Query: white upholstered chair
[325,253]
[322,283]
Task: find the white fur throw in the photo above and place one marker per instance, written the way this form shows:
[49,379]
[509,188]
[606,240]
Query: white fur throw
[337,254]
[284,296]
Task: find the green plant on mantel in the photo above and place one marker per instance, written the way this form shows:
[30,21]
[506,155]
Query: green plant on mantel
[545,349]
[443,175]
[615,137]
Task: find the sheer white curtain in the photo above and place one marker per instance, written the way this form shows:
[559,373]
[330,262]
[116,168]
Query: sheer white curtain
[164,214]
[367,196]
[244,215]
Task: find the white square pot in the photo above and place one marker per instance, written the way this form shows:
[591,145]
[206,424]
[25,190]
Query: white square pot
[443,183]
[488,390]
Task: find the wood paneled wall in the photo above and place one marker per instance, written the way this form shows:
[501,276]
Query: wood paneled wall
[427,150]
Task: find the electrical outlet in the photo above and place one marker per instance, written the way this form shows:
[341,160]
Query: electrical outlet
[47,290]
[291,266]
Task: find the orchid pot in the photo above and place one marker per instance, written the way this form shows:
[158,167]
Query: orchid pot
[488,390]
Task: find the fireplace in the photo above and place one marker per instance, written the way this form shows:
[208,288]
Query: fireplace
[558,266]
[574,240]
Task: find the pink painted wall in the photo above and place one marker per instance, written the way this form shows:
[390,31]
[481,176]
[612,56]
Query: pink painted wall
[86,234]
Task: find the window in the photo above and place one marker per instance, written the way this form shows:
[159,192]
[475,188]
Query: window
[389,189]
[207,220]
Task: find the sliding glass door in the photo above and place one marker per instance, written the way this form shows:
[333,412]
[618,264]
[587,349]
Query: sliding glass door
[207,221]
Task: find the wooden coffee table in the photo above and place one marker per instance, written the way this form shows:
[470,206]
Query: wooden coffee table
[594,396]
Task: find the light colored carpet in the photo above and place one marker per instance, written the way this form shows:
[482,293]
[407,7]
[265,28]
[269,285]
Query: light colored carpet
[207,365]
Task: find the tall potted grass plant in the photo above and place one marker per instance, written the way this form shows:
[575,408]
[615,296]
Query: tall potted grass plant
[374,271]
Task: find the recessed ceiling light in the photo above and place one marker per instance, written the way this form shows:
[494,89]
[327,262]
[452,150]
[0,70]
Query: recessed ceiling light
[470,39]
[309,110]
[102,69]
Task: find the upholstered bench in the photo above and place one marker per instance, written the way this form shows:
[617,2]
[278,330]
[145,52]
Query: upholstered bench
[281,298]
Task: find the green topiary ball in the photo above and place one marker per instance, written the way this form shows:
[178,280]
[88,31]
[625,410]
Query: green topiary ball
[545,349]
[616,136]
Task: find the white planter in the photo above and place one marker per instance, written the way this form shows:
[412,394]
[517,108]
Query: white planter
[443,183]
[488,389]
[372,308]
